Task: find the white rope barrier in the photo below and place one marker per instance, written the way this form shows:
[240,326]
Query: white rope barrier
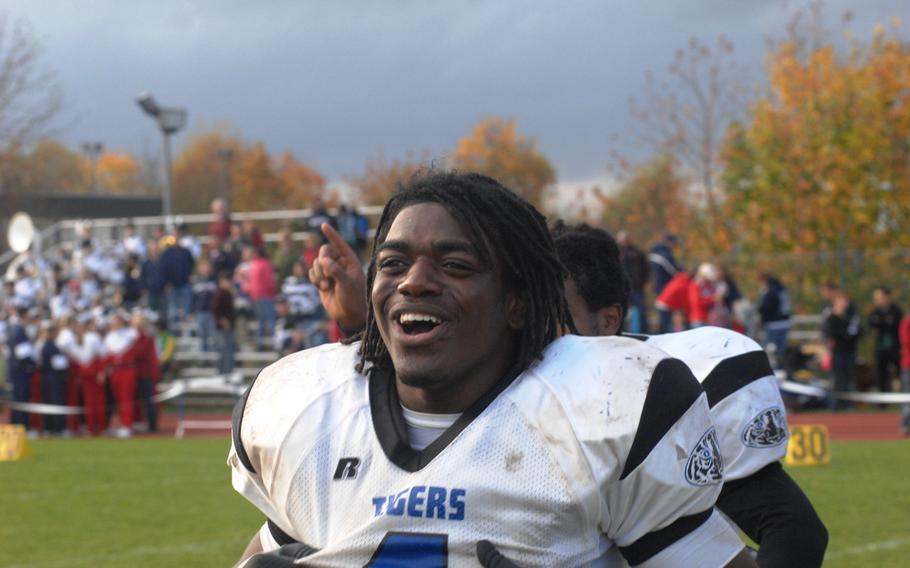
[222,384]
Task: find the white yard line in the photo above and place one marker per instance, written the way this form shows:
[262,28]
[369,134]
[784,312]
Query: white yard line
[870,547]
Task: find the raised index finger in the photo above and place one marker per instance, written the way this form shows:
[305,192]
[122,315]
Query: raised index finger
[337,241]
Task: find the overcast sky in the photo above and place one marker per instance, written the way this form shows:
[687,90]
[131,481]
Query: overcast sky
[335,81]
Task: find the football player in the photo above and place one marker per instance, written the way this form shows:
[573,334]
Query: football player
[461,416]
[742,390]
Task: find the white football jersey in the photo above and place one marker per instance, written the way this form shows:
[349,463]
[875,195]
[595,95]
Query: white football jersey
[742,391]
[603,447]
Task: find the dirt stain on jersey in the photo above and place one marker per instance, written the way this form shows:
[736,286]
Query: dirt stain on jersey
[513,461]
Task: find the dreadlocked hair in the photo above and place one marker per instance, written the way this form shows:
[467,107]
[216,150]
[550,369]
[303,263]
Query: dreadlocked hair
[592,258]
[508,232]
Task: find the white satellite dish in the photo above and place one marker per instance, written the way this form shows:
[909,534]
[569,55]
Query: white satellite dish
[21,232]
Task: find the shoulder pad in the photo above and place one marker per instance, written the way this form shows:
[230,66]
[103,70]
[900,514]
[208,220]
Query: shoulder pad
[283,390]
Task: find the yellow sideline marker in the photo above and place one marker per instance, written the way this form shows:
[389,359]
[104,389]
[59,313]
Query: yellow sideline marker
[808,445]
[13,443]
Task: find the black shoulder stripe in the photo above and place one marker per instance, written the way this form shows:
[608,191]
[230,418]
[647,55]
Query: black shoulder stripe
[636,336]
[279,535]
[734,373]
[671,393]
[236,422]
[653,542]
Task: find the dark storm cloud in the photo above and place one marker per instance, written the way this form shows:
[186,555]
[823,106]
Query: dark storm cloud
[336,81]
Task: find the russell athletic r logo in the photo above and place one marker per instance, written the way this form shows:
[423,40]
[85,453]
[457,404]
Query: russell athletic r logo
[347,468]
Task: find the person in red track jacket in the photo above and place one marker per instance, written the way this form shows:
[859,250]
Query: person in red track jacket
[86,353]
[121,348]
[675,296]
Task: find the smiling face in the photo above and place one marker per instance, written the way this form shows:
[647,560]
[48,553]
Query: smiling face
[443,314]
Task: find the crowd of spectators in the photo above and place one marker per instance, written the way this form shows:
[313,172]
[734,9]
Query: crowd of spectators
[709,295]
[98,326]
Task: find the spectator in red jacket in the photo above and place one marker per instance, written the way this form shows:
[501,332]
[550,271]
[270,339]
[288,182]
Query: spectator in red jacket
[120,360]
[904,332]
[86,353]
[262,290]
[674,299]
[148,369]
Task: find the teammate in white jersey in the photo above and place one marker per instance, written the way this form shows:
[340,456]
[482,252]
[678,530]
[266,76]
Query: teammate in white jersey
[742,390]
[561,452]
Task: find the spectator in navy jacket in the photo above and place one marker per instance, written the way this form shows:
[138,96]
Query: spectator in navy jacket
[151,278]
[177,263]
[663,268]
[54,372]
[774,310]
[20,363]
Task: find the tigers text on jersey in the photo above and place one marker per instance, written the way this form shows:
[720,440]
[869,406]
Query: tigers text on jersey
[742,390]
[604,446]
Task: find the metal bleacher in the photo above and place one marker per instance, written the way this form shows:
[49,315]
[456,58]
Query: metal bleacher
[194,380]
[193,366]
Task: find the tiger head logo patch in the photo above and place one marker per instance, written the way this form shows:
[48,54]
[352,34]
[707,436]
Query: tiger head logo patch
[767,429]
[705,465]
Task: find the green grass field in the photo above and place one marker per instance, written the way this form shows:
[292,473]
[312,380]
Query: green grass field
[161,502]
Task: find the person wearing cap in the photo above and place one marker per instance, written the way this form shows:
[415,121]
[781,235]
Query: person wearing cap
[120,344]
[177,265]
[703,292]
[663,268]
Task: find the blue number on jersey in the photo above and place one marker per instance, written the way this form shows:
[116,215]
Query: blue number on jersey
[415,550]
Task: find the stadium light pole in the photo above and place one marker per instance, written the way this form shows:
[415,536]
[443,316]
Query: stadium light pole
[93,150]
[170,120]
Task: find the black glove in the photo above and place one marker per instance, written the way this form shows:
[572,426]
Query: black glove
[491,558]
[283,557]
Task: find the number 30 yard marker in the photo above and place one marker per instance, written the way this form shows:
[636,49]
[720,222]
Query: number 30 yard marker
[808,445]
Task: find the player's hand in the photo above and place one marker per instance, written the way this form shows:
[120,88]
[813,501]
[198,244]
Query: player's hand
[338,275]
[283,557]
[491,558]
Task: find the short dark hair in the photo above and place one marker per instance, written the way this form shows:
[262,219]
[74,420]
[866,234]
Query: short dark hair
[592,258]
[508,231]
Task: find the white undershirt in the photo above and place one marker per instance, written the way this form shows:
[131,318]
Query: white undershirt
[423,428]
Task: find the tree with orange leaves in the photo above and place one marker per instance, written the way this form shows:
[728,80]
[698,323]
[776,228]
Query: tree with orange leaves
[650,202]
[495,147]
[381,177]
[301,183]
[118,172]
[819,176]
[205,168]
